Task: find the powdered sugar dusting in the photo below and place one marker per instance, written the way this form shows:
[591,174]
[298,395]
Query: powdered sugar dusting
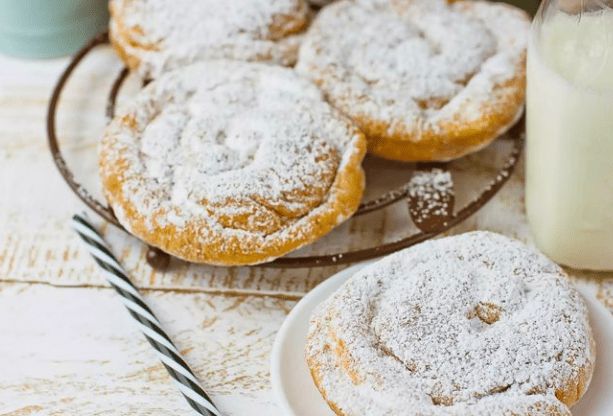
[414,64]
[166,34]
[469,325]
[431,197]
[250,149]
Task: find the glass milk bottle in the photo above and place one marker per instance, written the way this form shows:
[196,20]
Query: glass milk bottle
[569,154]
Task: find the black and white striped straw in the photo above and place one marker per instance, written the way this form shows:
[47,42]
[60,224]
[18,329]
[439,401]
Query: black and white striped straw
[145,319]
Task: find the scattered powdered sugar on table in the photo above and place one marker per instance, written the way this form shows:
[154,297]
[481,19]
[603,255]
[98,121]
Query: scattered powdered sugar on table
[469,325]
[413,63]
[168,34]
[251,149]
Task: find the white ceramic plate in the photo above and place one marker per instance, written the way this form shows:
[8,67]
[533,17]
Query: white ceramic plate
[298,396]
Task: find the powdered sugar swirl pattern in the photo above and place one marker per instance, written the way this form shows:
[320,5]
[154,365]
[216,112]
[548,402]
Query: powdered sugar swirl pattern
[414,64]
[468,325]
[250,149]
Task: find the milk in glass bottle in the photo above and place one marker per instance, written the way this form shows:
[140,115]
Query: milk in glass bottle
[569,172]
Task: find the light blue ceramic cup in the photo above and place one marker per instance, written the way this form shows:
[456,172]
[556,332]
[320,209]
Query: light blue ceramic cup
[49,28]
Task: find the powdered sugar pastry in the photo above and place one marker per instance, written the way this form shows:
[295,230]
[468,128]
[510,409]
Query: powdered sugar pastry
[156,35]
[229,162]
[424,79]
[476,324]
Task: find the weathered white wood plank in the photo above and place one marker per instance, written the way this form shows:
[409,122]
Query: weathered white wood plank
[76,351]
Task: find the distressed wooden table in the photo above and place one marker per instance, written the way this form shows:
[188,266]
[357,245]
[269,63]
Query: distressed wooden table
[67,345]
